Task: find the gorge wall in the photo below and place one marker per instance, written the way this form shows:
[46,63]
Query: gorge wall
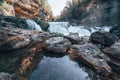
[92,12]
[26,9]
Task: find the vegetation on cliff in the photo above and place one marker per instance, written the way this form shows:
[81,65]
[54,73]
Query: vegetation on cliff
[92,12]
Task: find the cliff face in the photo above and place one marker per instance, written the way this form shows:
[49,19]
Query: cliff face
[93,12]
[29,9]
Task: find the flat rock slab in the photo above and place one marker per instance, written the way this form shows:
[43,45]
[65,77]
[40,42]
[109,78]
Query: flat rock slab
[57,44]
[14,42]
[89,54]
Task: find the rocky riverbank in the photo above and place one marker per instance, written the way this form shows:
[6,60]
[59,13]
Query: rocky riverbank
[21,50]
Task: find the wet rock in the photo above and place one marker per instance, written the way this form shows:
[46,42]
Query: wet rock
[84,39]
[113,51]
[14,42]
[13,22]
[44,25]
[115,65]
[57,44]
[103,38]
[73,38]
[89,54]
[5,76]
[115,30]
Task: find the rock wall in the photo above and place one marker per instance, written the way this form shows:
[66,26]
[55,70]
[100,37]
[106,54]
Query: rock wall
[25,9]
[94,12]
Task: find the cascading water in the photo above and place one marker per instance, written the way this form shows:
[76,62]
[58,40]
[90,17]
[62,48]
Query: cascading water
[66,29]
[33,25]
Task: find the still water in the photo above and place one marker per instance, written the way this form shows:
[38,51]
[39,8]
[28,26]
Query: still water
[60,68]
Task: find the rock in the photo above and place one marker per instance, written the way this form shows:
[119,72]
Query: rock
[115,65]
[90,55]
[73,38]
[27,8]
[14,42]
[6,9]
[30,9]
[5,76]
[115,30]
[13,22]
[57,44]
[103,38]
[84,39]
[44,25]
[113,51]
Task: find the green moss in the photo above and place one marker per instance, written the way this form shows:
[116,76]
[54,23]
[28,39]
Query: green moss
[43,24]
[1,1]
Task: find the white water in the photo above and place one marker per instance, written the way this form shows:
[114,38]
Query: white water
[66,29]
[33,25]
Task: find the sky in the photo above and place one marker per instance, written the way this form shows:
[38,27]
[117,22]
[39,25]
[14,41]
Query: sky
[57,6]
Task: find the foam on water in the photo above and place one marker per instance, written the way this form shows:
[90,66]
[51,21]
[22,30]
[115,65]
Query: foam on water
[33,25]
[66,29]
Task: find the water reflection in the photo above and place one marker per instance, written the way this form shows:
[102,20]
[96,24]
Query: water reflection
[58,69]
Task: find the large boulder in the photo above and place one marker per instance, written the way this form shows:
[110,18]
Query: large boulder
[103,38]
[14,42]
[57,44]
[115,30]
[73,38]
[113,51]
[90,55]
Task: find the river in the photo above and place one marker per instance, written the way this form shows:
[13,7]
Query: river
[55,67]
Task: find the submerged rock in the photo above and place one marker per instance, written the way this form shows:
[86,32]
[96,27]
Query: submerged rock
[89,54]
[57,44]
[14,42]
[113,51]
[103,38]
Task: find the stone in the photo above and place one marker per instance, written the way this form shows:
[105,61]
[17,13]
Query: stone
[5,76]
[13,22]
[115,65]
[43,24]
[57,44]
[115,30]
[73,38]
[113,51]
[103,38]
[14,42]
[89,54]
[6,9]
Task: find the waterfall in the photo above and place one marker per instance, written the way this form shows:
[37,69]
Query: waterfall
[66,29]
[33,25]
